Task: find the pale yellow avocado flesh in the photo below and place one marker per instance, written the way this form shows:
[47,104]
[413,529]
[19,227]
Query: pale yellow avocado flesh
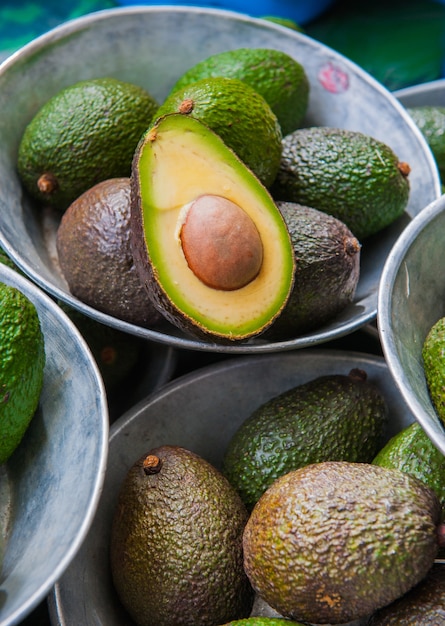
[180,159]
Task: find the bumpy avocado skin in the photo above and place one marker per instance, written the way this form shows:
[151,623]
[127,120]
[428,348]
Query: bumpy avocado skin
[431,121]
[347,174]
[424,605]
[333,542]
[263,621]
[327,270]
[333,417]
[176,543]
[278,77]
[238,114]
[412,451]
[434,366]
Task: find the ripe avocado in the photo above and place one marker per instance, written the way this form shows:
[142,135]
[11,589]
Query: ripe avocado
[279,78]
[333,542]
[412,451]
[333,417]
[208,241]
[424,605]
[345,173]
[238,114]
[85,133]
[327,270]
[434,366]
[431,122]
[94,252]
[176,542]
[22,363]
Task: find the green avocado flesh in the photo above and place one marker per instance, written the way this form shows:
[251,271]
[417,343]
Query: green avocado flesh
[179,160]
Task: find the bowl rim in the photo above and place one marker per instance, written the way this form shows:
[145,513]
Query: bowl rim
[391,268]
[42,299]
[259,345]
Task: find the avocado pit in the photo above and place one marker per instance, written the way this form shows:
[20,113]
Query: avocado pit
[220,242]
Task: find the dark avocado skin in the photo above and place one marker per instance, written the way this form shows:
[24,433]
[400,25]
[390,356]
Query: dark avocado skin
[347,174]
[424,605]
[333,542]
[334,417]
[327,270]
[176,543]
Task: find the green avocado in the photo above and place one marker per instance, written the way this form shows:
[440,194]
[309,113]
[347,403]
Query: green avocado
[434,366]
[22,363]
[238,114]
[327,270]
[412,451]
[345,173]
[263,621]
[333,417]
[278,77]
[424,605]
[176,542]
[431,121]
[85,133]
[333,542]
[208,241]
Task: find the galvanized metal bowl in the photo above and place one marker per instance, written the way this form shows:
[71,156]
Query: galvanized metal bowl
[431,93]
[200,411]
[50,486]
[412,299]
[152,46]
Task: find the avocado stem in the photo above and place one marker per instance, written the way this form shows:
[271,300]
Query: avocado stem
[404,168]
[151,464]
[47,183]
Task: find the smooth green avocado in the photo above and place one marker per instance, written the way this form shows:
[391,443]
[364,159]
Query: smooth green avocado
[332,417]
[176,542]
[22,362]
[345,173]
[208,241]
[434,366]
[275,75]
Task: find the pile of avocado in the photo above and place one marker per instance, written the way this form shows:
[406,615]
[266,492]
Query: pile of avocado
[312,515]
[237,216]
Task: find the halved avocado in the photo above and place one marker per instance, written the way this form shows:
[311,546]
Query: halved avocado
[208,240]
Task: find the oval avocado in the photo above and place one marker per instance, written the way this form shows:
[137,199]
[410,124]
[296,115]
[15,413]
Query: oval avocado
[208,241]
[94,252]
[238,114]
[333,542]
[434,366]
[335,417]
[275,75]
[345,173]
[431,121]
[87,132]
[176,542]
[327,270]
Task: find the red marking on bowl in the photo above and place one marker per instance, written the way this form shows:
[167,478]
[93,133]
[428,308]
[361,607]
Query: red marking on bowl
[333,79]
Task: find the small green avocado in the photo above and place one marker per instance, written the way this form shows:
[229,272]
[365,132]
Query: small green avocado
[345,173]
[22,363]
[207,239]
[431,121]
[85,133]
[433,350]
[278,77]
[333,542]
[238,114]
[332,417]
[263,621]
[327,270]
[176,542]
[412,451]
[424,605]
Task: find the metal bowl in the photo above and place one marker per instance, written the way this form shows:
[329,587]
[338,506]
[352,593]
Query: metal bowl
[431,93]
[200,411]
[50,486]
[412,299]
[152,46]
